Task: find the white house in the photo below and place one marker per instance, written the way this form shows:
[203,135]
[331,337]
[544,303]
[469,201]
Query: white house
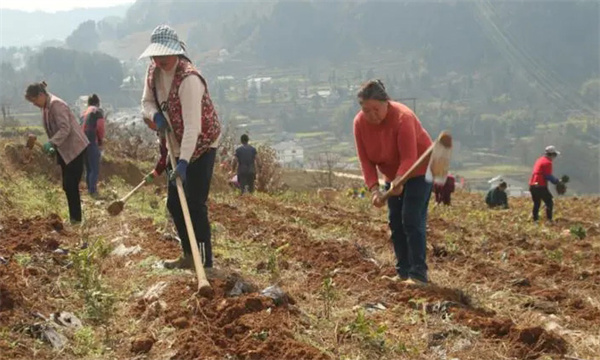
[223,55]
[257,83]
[289,154]
[130,83]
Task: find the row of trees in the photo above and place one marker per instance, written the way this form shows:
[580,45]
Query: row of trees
[69,74]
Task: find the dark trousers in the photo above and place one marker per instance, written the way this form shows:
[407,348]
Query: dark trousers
[407,220]
[444,198]
[92,167]
[539,194]
[196,187]
[246,181]
[71,176]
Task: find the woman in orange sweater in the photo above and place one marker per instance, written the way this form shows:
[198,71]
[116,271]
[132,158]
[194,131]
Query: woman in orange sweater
[390,138]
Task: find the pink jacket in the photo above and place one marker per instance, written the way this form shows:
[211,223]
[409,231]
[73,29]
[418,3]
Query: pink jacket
[63,130]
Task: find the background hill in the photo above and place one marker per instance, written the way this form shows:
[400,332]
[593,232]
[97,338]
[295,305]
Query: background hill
[507,78]
[23,28]
[502,286]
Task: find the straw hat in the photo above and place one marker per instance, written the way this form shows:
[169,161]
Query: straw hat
[164,42]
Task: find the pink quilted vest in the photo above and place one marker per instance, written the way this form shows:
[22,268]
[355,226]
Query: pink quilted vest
[211,127]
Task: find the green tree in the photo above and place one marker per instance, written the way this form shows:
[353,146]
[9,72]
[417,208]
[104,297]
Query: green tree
[71,73]
[342,119]
[8,84]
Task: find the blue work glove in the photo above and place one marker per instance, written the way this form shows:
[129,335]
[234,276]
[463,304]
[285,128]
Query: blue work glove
[160,121]
[48,148]
[180,170]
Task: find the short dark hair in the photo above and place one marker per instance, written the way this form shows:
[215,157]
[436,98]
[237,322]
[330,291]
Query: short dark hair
[373,90]
[36,89]
[244,139]
[93,100]
[502,184]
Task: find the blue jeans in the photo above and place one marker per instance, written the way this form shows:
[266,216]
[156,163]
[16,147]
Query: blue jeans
[92,167]
[407,220]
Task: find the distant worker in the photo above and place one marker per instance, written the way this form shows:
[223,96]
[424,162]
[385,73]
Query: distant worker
[245,163]
[390,138]
[443,192]
[92,121]
[496,197]
[538,184]
[65,139]
[234,183]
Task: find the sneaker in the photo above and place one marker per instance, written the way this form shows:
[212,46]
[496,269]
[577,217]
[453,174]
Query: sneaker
[183,262]
[414,282]
[394,278]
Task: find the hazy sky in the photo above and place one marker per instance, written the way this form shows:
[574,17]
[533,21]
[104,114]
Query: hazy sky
[57,5]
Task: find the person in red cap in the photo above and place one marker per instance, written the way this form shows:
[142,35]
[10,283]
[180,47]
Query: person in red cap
[538,184]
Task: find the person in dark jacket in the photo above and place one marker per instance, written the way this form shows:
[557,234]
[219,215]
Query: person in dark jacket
[92,121]
[538,183]
[496,197]
[245,161]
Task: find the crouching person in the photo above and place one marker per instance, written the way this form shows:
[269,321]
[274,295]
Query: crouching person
[496,197]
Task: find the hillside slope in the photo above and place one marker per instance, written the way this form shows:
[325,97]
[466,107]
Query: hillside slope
[502,286]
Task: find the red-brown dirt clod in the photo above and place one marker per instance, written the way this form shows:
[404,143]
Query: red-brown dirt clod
[142,345]
[531,343]
[206,292]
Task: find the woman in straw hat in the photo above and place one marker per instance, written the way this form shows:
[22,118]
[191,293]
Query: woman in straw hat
[176,102]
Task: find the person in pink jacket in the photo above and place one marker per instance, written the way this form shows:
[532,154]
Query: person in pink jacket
[66,139]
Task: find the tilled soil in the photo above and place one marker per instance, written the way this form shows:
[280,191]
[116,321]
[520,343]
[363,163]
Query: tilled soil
[180,324]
